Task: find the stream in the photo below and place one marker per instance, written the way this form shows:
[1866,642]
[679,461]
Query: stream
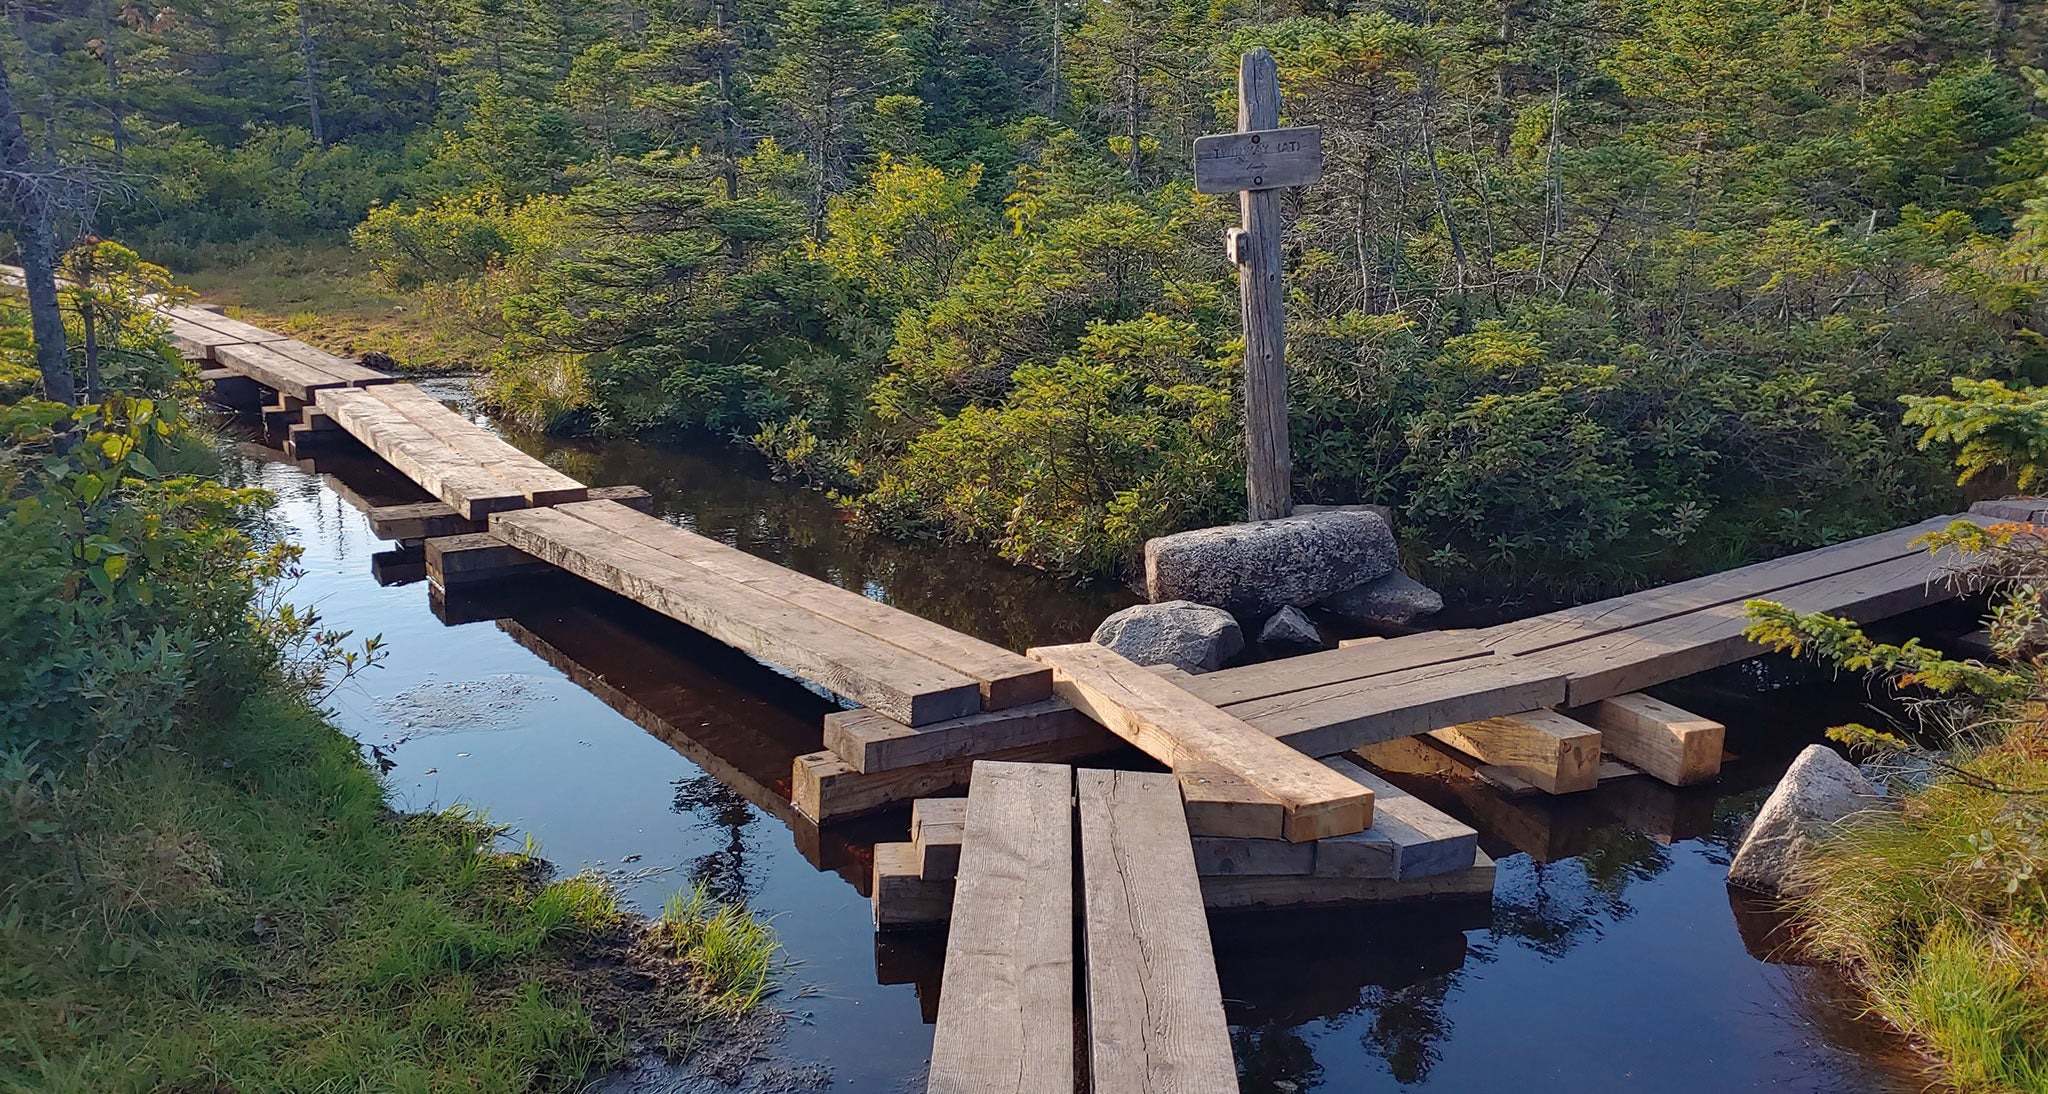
[1611,958]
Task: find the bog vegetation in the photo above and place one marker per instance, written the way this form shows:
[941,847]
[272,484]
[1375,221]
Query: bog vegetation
[1593,292]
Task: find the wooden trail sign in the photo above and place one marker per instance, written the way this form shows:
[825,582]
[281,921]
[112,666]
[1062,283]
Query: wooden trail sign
[1257,161]
[1266,160]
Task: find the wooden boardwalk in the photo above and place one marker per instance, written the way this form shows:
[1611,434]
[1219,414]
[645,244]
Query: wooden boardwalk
[1550,704]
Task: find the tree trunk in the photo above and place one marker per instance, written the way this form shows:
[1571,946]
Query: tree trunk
[118,114]
[312,78]
[25,188]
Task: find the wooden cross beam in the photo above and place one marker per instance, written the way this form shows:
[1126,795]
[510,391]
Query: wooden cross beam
[1256,162]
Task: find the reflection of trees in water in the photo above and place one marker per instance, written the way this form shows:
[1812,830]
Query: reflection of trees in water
[722,872]
[1408,1025]
[1553,907]
[1732,815]
[1270,1055]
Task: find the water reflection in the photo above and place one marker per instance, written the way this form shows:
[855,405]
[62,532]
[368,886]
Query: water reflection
[1609,956]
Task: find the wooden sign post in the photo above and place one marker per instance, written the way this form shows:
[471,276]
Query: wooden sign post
[1256,162]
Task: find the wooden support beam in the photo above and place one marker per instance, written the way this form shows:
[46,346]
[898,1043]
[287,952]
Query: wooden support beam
[1662,740]
[937,826]
[871,742]
[1155,1010]
[826,788]
[1269,892]
[476,559]
[1409,837]
[1541,747]
[419,455]
[1224,805]
[426,519]
[902,899]
[1181,730]
[1006,1014]
[1226,855]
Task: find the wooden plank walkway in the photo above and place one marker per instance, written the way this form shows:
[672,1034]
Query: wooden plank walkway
[1152,1008]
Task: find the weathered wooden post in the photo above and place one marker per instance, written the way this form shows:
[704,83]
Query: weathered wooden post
[1256,162]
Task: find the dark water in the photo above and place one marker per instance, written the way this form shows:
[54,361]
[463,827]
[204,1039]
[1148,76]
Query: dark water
[1610,958]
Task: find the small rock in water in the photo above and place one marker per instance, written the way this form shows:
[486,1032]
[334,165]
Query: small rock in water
[1818,790]
[1257,568]
[1290,631]
[1194,637]
[1390,598]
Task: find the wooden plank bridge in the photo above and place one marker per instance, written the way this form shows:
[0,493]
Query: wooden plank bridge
[1271,772]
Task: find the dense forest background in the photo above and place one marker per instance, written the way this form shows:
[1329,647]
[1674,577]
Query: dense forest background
[1593,292]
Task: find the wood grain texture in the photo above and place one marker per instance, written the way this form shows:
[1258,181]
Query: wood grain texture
[937,825]
[1181,731]
[419,520]
[457,480]
[1336,718]
[901,899]
[1267,160]
[1006,679]
[1155,1010]
[1660,652]
[1006,1013]
[538,483]
[900,684]
[1419,839]
[1751,582]
[1542,747]
[825,788]
[868,741]
[1663,741]
[1252,892]
[1225,855]
[1220,803]
[1269,471]
[1313,670]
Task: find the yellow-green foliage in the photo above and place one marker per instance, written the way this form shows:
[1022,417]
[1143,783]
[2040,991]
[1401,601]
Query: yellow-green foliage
[1990,425]
[732,956]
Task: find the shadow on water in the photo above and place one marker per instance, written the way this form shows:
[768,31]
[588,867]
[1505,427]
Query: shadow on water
[1610,957]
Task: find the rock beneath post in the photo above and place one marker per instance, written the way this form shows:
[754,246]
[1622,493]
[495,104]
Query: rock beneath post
[1256,568]
[1390,598]
[1290,631]
[1194,637]
[1818,790]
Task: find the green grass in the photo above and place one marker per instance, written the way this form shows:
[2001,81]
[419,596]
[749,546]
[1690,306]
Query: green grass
[328,295]
[254,918]
[732,956]
[1942,913]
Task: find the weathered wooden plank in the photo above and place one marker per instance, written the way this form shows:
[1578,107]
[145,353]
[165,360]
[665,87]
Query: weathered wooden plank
[1336,718]
[465,486]
[1155,1010]
[2017,510]
[1409,837]
[333,364]
[274,370]
[1227,855]
[1542,747]
[902,899]
[826,789]
[1007,679]
[1006,1014]
[1220,803]
[1181,730]
[1667,650]
[839,659]
[1754,581]
[937,825]
[475,559]
[538,483]
[870,742]
[1246,683]
[1661,740]
[1266,160]
[1270,891]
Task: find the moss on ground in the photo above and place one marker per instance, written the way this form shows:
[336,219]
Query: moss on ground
[246,913]
[328,295]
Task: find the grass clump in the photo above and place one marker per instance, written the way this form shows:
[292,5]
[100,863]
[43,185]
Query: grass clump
[733,957]
[1940,909]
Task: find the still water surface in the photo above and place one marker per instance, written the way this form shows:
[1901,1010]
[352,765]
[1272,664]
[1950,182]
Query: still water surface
[1610,957]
